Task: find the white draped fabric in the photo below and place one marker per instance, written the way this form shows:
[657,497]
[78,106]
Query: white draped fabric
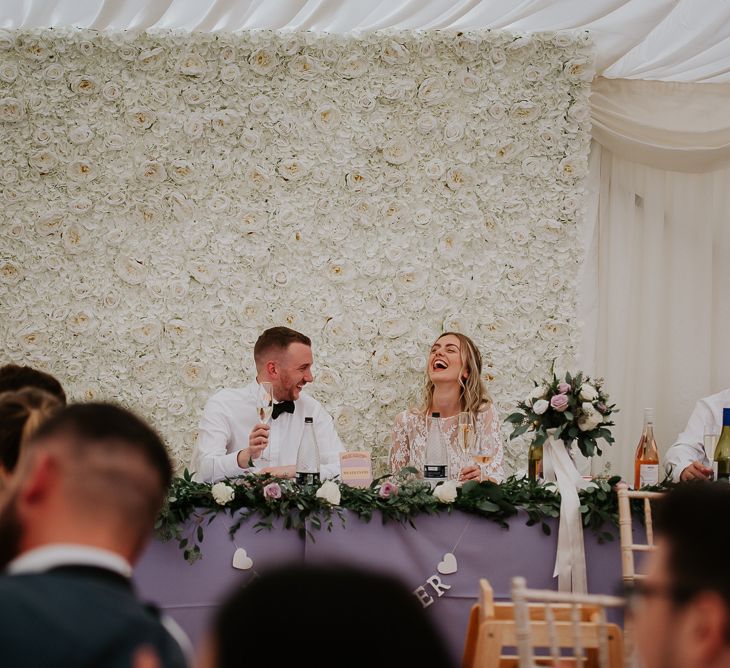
[674,40]
[659,314]
[656,234]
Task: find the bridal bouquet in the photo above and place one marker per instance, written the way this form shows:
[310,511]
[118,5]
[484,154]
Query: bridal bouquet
[574,405]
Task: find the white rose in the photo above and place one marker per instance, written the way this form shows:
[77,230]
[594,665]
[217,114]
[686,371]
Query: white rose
[327,117]
[540,406]
[588,392]
[330,492]
[192,65]
[263,60]
[141,118]
[446,491]
[590,418]
[432,90]
[397,151]
[10,272]
[540,392]
[11,110]
[8,72]
[395,53]
[352,66]
[222,493]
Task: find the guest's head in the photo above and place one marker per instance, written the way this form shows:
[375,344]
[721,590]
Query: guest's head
[325,616]
[21,414]
[683,607]
[284,358]
[14,377]
[93,474]
[454,359]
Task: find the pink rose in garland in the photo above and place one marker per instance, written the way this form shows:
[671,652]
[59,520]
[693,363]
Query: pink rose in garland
[559,402]
[272,491]
[563,388]
[387,489]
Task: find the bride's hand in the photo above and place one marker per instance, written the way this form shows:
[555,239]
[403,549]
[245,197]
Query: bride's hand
[470,473]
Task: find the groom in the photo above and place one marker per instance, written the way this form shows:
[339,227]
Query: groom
[231,439]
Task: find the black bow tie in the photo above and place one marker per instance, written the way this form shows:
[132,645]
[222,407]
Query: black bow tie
[282,407]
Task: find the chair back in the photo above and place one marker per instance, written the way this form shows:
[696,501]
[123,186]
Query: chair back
[593,643]
[492,632]
[628,547]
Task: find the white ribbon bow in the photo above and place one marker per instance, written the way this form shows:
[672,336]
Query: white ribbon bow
[570,560]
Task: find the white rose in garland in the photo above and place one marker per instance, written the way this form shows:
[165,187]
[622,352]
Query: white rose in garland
[222,493]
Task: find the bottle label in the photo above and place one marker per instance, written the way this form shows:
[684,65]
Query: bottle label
[308,478]
[434,471]
[649,474]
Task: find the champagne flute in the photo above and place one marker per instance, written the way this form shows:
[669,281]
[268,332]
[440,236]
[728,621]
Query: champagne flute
[467,432]
[265,401]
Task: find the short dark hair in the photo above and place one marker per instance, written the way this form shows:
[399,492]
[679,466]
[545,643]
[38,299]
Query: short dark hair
[346,600]
[101,424]
[277,338]
[690,517]
[15,377]
[21,415]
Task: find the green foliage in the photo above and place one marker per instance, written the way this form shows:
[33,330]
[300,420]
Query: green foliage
[190,506]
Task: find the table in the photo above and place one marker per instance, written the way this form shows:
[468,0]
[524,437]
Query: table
[190,593]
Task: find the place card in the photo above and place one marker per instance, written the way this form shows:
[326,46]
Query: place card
[356,469]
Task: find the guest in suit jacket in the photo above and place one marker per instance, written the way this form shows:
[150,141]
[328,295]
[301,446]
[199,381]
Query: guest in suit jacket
[75,516]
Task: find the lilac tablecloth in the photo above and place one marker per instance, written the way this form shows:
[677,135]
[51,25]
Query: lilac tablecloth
[189,593]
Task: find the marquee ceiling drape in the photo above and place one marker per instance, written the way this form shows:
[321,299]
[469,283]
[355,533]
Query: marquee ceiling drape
[669,40]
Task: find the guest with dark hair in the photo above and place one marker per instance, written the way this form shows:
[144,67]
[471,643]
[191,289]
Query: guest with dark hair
[75,516]
[370,619]
[14,377]
[683,607]
[232,438]
[21,414]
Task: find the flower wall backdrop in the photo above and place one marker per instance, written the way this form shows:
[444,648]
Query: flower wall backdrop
[166,197]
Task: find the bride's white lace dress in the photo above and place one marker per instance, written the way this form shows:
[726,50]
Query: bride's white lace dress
[409,443]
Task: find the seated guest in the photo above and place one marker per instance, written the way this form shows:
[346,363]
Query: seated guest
[14,377]
[686,459]
[682,607]
[232,440]
[370,619]
[21,414]
[76,514]
[453,385]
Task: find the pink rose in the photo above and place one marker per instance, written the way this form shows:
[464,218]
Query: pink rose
[272,491]
[563,388]
[387,489]
[559,402]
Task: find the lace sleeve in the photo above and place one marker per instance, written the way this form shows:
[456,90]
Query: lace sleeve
[400,447]
[491,434]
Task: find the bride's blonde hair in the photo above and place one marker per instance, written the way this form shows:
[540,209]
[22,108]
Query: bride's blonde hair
[473,391]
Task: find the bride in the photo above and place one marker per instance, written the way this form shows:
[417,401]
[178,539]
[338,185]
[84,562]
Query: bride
[453,385]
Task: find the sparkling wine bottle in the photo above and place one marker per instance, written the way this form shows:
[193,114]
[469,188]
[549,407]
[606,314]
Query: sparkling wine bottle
[721,460]
[436,455]
[646,462]
[308,456]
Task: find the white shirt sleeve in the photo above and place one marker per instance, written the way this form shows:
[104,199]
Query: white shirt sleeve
[211,460]
[689,446]
[329,443]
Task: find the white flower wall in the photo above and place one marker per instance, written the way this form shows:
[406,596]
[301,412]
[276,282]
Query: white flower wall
[166,197]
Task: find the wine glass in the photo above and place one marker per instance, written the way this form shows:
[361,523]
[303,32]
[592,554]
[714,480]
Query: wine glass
[265,401]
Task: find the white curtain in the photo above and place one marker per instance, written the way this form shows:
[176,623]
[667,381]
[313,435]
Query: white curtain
[661,313]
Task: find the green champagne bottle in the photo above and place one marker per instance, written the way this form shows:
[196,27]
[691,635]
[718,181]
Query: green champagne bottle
[721,465]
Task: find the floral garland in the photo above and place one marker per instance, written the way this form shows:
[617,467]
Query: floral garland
[165,197]
[192,505]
